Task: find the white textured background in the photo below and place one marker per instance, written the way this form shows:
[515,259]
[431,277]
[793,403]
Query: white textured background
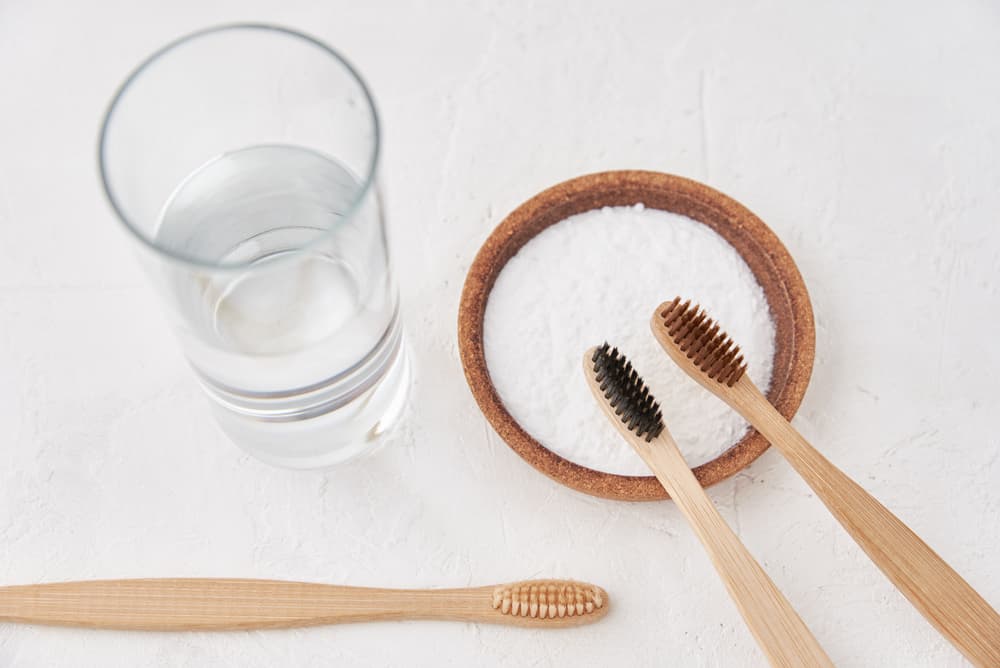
[867,136]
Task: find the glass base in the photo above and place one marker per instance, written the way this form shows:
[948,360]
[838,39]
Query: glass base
[312,439]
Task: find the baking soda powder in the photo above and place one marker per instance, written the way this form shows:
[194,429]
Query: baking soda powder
[598,276]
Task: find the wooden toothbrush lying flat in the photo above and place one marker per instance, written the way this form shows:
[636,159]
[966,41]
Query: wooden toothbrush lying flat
[203,604]
[707,354]
[625,399]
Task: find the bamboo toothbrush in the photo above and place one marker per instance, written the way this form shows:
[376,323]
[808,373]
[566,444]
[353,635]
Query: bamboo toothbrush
[708,355]
[626,400]
[229,604]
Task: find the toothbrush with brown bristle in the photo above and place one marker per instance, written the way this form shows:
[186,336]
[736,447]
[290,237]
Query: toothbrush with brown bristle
[626,400]
[698,345]
[204,604]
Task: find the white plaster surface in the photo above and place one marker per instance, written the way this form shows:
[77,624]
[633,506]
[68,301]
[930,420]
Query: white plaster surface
[866,134]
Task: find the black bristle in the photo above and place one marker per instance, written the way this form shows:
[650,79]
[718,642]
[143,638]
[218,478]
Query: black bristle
[627,393]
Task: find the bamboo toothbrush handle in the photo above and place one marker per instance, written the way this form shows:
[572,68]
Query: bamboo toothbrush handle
[779,630]
[933,587]
[232,604]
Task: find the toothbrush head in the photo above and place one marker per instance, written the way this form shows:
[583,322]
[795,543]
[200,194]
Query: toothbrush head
[695,340]
[550,599]
[627,396]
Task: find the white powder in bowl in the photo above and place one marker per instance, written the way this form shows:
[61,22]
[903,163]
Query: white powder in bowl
[598,276]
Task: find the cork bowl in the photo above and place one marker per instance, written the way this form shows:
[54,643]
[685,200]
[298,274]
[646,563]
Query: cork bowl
[756,243]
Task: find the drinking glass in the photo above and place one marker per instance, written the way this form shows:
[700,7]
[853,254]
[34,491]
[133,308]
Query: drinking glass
[242,160]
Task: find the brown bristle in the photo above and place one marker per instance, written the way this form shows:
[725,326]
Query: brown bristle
[703,342]
[547,599]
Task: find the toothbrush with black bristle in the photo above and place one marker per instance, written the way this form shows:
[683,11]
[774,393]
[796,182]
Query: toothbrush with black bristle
[624,397]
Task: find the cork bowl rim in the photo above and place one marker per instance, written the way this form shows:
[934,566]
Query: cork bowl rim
[768,259]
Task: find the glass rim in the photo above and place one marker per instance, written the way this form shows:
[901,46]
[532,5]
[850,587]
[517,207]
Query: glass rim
[366,185]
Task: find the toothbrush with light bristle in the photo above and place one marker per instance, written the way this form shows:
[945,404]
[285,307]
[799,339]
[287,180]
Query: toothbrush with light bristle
[698,345]
[205,604]
[624,397]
